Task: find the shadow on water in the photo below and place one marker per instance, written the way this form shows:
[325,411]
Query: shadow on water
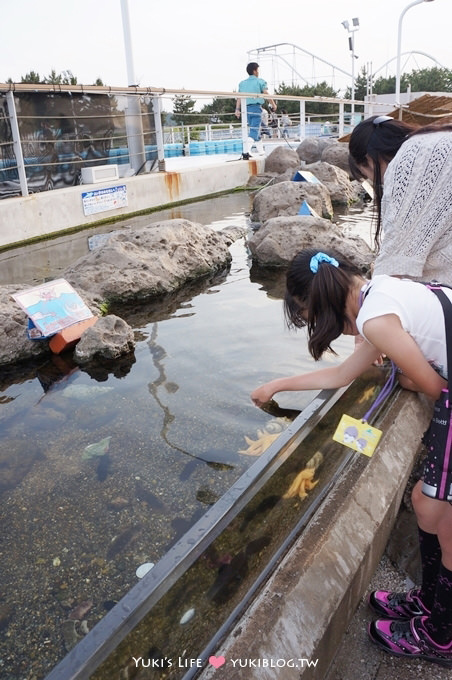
[105,467]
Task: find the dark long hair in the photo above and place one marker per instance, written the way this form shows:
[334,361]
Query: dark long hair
[380,138]
[318,300]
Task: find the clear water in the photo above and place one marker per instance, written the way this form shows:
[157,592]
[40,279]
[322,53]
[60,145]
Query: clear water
[76,522]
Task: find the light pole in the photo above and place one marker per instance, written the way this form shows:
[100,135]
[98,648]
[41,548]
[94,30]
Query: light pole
[351,45]
[399,52]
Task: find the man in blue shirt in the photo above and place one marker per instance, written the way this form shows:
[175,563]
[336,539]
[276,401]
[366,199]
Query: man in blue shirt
[253,84]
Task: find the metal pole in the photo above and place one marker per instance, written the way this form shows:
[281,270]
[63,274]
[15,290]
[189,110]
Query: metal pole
[134,123]
[341,119]
[353,78]
[17,146]
[244,117]
[302,120]
[156,107]
[399,53]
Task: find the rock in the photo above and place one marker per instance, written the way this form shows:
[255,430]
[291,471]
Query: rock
[341,189]
[337,154]
[232,234]
[285,199]
[310,150]
[109,338]
[280,159]
[278,241]
[14,342]
[138,264]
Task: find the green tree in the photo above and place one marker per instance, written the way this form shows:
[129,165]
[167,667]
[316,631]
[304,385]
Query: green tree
[220,111]
[31,77]
[420,80]
[361,85]
[319,90]
[183,109]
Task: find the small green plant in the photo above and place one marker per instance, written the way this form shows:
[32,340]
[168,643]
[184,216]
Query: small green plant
[103,308]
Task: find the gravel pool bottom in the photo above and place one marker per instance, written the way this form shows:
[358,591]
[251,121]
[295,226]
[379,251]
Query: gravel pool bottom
[102,472]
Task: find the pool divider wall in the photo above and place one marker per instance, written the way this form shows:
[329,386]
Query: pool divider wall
[48,213]
[307,604]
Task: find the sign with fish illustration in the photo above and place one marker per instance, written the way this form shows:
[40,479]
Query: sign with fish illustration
[101,200]
[357,435]
[51,307]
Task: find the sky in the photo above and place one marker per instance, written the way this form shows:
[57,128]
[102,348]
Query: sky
[203,45]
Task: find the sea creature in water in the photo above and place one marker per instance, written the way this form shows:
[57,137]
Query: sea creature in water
[264,506]
[103,468]
[265,437]
[123,540]
[83,392]
[99,448]
[304,481]
[148,497]
[231,573]
[189,468]
[80,611]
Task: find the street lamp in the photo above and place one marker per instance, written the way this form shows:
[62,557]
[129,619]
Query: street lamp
[399,51]
[351,44]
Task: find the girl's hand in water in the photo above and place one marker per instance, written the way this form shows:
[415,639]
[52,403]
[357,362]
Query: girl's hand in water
[262,395]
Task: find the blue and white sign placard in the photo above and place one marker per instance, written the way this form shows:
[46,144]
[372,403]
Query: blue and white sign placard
[101,200]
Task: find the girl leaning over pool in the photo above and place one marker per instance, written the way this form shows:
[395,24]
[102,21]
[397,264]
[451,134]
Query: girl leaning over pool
[403,320]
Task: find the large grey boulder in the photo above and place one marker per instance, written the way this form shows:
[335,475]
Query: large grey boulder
[285,199]
[129,264]
[278,241]
[147,262]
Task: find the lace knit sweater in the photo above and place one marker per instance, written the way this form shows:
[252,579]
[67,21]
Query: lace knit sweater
[417,210]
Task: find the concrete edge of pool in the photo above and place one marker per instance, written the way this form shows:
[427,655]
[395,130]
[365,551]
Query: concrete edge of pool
[302,613]
[45,214]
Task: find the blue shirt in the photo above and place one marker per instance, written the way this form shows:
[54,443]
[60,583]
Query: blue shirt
[253,84]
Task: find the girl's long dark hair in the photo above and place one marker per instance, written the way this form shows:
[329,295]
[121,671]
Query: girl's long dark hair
[318,300]
[381,141]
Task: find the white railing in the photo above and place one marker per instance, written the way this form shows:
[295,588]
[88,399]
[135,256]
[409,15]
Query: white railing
[41,152]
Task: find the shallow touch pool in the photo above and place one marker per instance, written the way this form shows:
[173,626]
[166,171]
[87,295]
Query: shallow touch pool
[77,526]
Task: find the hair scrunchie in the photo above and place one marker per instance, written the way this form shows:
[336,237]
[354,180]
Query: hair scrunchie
[321,257]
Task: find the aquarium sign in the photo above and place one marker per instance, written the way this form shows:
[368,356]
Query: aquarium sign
[101,200]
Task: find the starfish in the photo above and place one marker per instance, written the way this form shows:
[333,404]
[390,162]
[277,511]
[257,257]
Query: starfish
[265,437]
[304,481]
[259,445]
[366,395]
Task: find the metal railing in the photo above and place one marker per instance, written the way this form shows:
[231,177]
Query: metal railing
[49,133]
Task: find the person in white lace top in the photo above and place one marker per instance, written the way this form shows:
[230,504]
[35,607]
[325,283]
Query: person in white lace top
[411,171]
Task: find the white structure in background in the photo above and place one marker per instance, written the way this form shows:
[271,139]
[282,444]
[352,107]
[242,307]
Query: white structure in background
[399,49]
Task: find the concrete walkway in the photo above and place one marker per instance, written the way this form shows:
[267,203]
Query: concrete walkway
[360,659]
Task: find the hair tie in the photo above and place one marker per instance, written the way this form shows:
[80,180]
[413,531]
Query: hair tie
[321,257]
[381,119]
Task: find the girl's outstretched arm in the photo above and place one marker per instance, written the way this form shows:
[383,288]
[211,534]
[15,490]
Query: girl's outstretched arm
[325,378]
